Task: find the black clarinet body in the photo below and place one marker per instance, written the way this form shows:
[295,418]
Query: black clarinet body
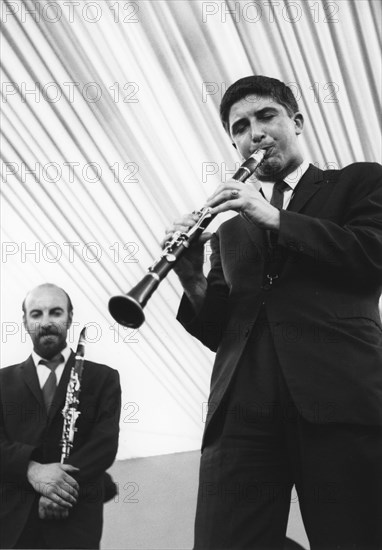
[127,309]
[70,411]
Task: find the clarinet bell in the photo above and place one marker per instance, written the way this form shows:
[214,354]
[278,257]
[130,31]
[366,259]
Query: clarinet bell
[127,309]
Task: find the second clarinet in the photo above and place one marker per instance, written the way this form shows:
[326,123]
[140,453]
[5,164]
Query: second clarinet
[70,411]
[127,309]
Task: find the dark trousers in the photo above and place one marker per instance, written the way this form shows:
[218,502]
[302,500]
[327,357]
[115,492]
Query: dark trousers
[32,535]
[259,446]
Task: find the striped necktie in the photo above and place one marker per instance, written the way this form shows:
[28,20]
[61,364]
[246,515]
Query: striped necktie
[49,388]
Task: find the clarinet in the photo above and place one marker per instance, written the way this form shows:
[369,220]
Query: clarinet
[70,411]
[127,309]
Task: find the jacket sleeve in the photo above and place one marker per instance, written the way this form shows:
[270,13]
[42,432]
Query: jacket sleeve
[209,324]
[352,249]
[15,455]
[97,451]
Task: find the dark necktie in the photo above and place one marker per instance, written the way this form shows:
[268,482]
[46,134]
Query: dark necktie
[277,200]
[49,388]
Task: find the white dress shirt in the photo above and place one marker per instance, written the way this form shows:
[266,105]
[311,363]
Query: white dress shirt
[43,371]
[292,180]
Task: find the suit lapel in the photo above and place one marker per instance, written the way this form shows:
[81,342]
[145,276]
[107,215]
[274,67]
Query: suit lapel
[256,234]
[306,188]
[60,395]
[30,377]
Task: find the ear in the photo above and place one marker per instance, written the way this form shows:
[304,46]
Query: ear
[25,322]
[298,120]
[70,319]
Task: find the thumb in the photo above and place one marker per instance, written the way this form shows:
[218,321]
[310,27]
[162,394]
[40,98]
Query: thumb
[69,468]
[204,237]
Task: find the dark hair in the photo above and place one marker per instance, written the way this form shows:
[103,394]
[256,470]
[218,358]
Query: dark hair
[70,305]
[258,85]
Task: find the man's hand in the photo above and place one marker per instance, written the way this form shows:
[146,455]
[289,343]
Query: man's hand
[247,201]
[189,267]
[47,509]
[54,482]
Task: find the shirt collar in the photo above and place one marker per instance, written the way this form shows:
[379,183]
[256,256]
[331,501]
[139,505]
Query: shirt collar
[294,177]
[65,353]
[291,179]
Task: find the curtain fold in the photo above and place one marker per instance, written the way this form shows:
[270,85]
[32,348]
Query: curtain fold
[110,131]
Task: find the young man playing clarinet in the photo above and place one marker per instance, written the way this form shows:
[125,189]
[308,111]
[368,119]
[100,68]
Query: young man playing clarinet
[296,390]
[46,503]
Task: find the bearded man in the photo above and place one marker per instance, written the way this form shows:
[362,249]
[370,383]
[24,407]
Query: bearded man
[46,504]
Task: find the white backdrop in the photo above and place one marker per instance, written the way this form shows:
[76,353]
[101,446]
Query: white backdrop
[111,130]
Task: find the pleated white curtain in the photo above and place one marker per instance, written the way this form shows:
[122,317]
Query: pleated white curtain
[110,130]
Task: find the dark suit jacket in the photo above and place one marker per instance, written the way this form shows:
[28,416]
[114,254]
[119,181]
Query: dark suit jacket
[322,308]
[27,433]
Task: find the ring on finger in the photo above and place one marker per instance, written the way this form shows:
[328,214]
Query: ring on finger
[234,193]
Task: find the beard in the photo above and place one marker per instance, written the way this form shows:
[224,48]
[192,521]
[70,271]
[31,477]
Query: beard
[48,342]
[269,170]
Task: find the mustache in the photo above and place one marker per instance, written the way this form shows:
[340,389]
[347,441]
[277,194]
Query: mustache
[52,330]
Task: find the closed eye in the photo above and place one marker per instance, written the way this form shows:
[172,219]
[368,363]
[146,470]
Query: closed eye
[239,128]
[35,314]
[57,312]
[266,115]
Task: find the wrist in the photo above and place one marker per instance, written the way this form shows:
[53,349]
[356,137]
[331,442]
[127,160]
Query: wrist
[32,468]
[194,285]
[196,292]
[274,222]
